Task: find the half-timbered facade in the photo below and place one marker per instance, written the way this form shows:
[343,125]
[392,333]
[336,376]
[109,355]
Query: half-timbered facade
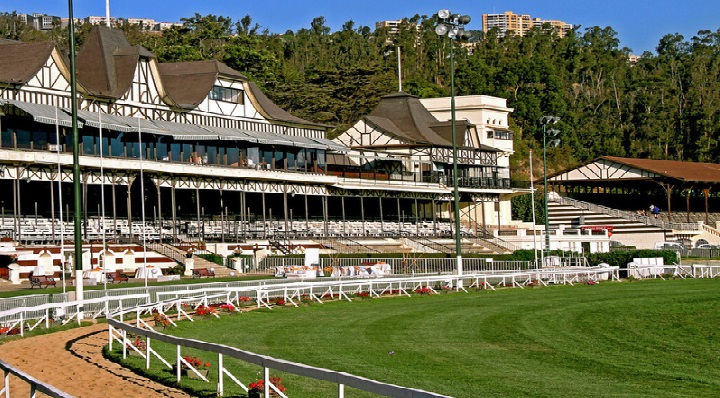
[194,142]
[413,138]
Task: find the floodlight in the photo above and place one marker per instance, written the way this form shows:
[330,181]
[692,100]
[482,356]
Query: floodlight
[441,29]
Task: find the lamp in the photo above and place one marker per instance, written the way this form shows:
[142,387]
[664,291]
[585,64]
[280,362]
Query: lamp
[548,133]
[451,25]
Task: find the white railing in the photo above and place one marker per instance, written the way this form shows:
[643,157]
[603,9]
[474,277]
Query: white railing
[35,384]
[193,296]
[291,293]
[710,230]
[21,318]
[119,330]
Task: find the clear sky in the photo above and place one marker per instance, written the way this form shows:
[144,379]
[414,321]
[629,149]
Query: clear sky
[640,23]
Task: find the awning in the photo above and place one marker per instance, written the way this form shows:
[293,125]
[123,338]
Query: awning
[125,124]
[303,142]
[184,132]
[391,187]
[331,145]
[46,114]
[227,134]
[104,121]
[266,137]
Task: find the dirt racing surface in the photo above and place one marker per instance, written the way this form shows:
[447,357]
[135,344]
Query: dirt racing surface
[72,361]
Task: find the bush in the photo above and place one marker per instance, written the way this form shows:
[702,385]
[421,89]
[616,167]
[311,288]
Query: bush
[621,258]
[176,270]
[215,258]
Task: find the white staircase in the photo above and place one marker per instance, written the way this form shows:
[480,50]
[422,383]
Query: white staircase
[628,228]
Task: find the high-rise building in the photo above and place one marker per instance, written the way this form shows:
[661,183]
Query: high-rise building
[508,21]
[562,28]
[521,24]
[39,21]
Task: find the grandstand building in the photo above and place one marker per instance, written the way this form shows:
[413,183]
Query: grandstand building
[194,150]
[617,192]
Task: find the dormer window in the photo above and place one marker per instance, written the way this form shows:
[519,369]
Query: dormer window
[227,94]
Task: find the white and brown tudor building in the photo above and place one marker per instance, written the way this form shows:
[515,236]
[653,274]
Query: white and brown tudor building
[187,142]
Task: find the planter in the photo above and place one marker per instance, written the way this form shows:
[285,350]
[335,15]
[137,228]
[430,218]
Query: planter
[191,375]
[133,353]
[254,394]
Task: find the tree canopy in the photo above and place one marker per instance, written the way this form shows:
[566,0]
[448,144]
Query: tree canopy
[662,106]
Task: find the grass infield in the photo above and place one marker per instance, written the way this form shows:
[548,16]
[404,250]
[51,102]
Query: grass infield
[649,338]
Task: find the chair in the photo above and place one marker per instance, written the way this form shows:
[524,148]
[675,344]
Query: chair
[117,276]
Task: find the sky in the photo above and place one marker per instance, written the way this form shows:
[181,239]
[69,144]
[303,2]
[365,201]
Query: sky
[640,24]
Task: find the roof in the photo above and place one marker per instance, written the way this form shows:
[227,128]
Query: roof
[21,61]
[684,171]
[271,111]
[107,62]
[189,83]
[403,116]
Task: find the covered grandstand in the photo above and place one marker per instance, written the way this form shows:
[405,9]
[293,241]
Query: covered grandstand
[619,191]
[195,151]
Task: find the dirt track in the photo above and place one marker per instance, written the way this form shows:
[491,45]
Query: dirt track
[72,361]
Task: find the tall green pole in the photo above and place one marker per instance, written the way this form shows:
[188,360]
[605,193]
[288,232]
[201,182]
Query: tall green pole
[77,193]
[547,222]
[456,193]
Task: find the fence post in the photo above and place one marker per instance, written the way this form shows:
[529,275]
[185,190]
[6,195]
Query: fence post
[266,371]
[7,383]
[178,366]
[220,386]
[341,390]
[147,352]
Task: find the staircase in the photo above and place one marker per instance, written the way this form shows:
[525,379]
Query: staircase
[629,228]
[179,255]
[282,245]
[490,246]
[220,271]
[169,251]
[432,245]
[344,245]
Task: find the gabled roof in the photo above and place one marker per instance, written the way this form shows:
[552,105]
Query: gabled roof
[403,116]
[106,62]
[273,112]
[21,61]
[684,171]
[189,83]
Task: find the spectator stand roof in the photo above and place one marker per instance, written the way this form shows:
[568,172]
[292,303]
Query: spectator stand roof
[611,171]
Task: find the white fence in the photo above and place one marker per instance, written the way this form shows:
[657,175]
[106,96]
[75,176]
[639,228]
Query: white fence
[132,308]
[35,384]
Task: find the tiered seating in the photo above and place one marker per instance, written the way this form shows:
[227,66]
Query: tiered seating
[40,230]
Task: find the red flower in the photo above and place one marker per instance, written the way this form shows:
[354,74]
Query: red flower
[204,310]
[258,385]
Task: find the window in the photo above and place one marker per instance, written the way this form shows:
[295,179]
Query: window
[227,94]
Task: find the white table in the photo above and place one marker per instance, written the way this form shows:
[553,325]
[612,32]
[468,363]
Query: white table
[96,274]
[149,272]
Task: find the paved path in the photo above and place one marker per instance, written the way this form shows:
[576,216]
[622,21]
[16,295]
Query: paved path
[72,361]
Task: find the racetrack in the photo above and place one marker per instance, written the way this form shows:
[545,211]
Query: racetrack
[72,361]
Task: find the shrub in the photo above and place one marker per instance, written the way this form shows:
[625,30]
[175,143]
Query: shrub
[215,258]
[621,258]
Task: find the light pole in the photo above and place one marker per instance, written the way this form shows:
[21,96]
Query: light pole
[552,133]
[77,193]
[452,26]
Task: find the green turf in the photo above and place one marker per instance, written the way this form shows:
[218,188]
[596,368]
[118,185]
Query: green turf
[649,338]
